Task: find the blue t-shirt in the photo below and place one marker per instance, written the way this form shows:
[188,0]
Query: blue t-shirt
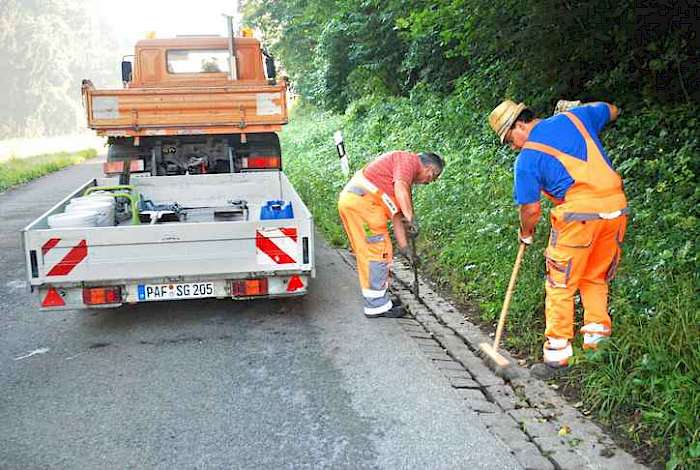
[536,171]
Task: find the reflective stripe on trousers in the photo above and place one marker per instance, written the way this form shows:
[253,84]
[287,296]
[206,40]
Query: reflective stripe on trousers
[586,216]
[365,222]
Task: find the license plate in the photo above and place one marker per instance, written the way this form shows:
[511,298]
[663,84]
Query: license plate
[185,290]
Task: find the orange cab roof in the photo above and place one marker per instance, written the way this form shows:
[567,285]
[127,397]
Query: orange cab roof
[194,41]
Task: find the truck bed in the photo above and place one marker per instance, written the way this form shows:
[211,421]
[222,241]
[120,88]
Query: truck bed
[186,110]
[199,247]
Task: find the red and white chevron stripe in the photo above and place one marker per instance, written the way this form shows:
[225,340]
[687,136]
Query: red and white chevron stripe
[62,263]
[276,245]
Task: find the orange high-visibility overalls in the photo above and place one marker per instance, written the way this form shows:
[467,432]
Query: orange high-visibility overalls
[588,227]
[365,211]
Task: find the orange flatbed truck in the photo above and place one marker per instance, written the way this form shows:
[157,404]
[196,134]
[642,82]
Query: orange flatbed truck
[199,206]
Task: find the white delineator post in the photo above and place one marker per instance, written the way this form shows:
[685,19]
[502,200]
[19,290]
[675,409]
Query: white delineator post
[342,154]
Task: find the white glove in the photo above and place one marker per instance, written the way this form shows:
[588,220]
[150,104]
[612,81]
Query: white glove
[525,240]
[564,105]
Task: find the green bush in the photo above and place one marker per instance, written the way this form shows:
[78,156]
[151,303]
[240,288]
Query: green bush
[646,381]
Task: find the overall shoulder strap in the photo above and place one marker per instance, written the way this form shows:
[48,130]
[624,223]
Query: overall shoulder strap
[566,159]
[579,125]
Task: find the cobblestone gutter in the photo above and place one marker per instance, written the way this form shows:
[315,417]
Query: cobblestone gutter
[539,426]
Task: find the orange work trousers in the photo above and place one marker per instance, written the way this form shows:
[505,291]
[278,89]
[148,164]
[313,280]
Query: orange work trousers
[365,221]
[581,256]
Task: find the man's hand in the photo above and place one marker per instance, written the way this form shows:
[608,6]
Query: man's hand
[565,105]
[525,240]
[408,254]
[412,226]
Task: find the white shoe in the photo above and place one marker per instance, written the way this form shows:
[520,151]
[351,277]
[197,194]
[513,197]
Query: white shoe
[556,352]
[593,334]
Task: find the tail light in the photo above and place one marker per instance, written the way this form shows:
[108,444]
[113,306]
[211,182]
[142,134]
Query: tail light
[249,287]
[261,162]
[102,295]
[117,167]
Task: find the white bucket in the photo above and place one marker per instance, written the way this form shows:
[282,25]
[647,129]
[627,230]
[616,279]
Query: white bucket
[100,194]
[94,197]
[84,218]
[103,208]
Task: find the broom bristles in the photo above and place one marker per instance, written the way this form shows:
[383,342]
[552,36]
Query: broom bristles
[494,355]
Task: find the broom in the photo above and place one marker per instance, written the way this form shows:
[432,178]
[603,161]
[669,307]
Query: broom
[492,351]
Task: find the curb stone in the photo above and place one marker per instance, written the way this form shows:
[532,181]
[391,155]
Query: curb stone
[521,411]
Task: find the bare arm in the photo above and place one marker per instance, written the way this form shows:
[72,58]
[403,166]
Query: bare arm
[399,231]
[529,216]
[402,190]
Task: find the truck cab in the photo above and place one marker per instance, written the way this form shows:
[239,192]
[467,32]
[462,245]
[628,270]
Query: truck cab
[192,105]
[197,61]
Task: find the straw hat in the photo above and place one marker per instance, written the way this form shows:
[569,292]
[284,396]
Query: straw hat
[503,116]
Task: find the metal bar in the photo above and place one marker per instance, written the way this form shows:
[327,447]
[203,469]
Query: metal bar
[232,69]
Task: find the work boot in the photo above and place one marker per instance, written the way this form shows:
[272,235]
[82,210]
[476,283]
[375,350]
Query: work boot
[397,311]
[544,371]
[593,335]
[556,352]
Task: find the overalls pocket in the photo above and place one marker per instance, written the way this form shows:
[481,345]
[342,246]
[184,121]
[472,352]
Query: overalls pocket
[558,269]
[620,237]
[612,270]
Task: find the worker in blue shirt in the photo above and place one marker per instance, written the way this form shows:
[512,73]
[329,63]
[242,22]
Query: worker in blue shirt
[562,158]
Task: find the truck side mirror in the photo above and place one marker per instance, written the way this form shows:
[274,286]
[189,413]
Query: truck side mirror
[126,71]
[270,67]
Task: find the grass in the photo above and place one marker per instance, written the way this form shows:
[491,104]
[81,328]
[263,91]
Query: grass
[646,383]
[17,171]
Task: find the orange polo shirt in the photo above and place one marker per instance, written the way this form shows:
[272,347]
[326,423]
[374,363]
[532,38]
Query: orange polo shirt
[390,167]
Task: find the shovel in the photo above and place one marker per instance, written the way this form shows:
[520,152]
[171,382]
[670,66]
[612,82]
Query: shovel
[414,265]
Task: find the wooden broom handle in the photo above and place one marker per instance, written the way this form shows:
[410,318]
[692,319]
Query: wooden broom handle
[509,294]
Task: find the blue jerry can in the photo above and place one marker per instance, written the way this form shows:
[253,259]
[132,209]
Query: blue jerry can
[276,210]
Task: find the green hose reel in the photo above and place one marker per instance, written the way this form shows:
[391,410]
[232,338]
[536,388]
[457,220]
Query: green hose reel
[133,197]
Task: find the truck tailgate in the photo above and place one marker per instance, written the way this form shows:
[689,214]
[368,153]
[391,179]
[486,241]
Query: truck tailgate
[176,250]
[176,111]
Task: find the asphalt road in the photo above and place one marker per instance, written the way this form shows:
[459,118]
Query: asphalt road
[219,384]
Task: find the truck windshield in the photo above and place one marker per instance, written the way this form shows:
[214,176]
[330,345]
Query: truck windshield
[197,61]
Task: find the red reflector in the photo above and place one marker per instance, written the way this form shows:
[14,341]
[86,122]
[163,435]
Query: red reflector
[249,287]
[102,295]
[112,168]
[53,299]
[258,162]
[295,283]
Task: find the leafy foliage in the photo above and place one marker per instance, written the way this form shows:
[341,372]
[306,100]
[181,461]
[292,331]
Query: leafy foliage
[337,51]
[424,75]
[646,382]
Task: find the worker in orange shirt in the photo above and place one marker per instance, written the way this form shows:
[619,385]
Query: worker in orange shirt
[377,194]
[562,158]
